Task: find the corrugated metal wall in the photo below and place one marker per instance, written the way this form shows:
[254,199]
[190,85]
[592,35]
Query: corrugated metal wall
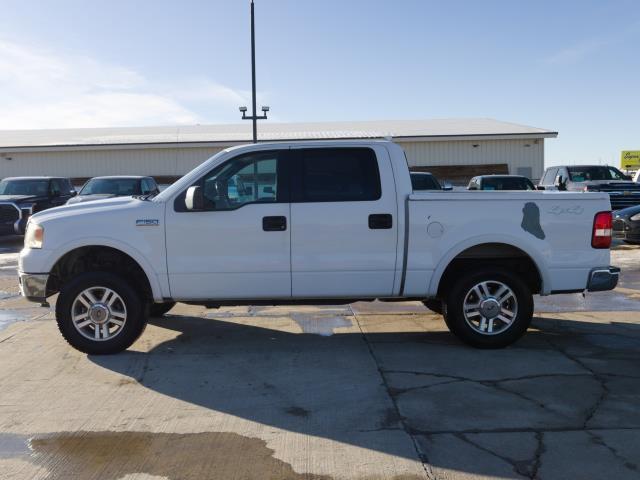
[91,163]
[177,161]
[515,153]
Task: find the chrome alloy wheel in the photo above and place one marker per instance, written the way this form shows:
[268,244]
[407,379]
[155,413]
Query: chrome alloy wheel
[98,313]
[490,307]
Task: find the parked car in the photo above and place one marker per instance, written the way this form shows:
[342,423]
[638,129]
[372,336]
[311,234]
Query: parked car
[622,190]
[427,181]
[500,182]
[20,197]
[626,224]
[99,188]
[340,223]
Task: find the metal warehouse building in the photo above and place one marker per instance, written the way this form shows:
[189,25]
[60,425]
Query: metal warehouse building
[453,149]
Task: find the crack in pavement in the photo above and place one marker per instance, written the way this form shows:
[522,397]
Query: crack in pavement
[521,468]
[590,412]
[537,458]
[428,470]
[601,441]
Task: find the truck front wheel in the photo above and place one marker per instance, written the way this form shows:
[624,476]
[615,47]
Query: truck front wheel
[100,313]
[489,308]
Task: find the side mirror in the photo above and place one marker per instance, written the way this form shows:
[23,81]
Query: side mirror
[540,187]
[194,200]
[560,183]
[73,193]
[446,186]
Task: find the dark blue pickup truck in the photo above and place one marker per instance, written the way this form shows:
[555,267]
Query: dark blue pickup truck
[20,197]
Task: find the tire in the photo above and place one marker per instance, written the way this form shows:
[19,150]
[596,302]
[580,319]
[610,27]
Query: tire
[484,326]
[434,304]
[122,312]
[159,309]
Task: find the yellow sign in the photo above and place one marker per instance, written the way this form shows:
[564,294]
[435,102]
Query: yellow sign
[630,160]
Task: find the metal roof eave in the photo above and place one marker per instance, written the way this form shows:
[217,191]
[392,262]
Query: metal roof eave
[224,144]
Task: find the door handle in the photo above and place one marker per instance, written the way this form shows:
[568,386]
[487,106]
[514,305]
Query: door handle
[274,224]
[380,221]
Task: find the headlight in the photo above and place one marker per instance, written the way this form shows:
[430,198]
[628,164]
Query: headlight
[34,236]
[635,218]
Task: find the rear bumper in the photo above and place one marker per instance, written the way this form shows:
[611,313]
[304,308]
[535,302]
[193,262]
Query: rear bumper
[601,279]
[33,286]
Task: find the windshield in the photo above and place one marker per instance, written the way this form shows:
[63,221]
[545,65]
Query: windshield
[585,174]
[24,187]
[424,181]
[111,186]
[507,183]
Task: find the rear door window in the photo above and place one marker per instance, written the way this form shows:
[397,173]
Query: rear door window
[55,187]
[336,175]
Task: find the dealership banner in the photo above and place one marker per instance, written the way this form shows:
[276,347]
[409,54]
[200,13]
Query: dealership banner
[630,160]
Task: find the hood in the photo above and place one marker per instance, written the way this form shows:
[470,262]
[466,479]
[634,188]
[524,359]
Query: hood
[627,212]
[612,184]
[19,198]
[90,198]
[109,204]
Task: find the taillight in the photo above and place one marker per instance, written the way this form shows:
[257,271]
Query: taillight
[602,225]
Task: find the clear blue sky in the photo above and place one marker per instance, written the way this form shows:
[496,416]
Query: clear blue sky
[570,66]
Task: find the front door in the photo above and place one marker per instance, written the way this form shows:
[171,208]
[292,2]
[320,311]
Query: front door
[239,245]
[344,225]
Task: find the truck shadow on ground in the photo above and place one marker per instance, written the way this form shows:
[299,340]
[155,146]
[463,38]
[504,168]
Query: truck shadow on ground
[405,393]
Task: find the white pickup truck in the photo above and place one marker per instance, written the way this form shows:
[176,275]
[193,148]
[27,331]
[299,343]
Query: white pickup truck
[313,222]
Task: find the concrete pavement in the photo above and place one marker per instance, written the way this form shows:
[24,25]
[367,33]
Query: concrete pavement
[367,391]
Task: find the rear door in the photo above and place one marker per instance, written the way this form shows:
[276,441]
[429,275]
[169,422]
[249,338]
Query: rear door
[343,222]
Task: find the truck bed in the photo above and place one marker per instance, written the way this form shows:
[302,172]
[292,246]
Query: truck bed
[553,228]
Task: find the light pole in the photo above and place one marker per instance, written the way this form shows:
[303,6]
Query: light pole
[254,117]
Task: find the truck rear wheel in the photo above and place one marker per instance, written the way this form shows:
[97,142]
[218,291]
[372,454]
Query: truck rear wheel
[489,308]
[100,313]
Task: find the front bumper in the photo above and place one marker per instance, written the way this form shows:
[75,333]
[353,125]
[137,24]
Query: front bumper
[33,286]
[601,279]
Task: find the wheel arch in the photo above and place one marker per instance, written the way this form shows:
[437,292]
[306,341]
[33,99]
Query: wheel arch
[148,275]
[486,249]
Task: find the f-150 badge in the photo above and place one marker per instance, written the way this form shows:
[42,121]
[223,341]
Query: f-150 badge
[147,222]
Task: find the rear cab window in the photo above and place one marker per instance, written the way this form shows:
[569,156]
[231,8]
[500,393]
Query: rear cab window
[506,183]
[335,175]
[424,181]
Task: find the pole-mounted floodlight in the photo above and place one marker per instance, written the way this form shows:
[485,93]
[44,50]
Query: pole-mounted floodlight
[254,117]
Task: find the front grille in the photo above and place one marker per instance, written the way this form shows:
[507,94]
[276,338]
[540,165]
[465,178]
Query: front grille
[8,214]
